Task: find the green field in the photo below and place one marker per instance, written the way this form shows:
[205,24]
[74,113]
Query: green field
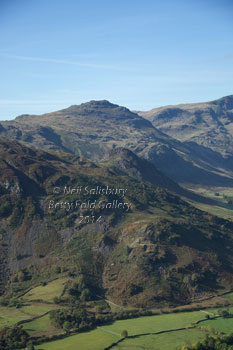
[101,337]
[167,341]
[10,316]
[158,323]
[93,340]
[224,325]
[41,327]
[38,308]
[47,292]
[220,324]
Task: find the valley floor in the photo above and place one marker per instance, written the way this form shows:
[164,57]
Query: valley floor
[221,200]
[140,333]
[167,330]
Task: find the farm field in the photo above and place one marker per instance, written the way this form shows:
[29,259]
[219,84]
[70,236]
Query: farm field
[41,327]
[38,308]
[152,324]
[168,341]
[10,316]
[47,292]
[93,340]
[101,337]
[224,325]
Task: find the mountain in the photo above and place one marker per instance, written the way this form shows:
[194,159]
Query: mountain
[92,129]
[125,162]
[134,242]
[208,124]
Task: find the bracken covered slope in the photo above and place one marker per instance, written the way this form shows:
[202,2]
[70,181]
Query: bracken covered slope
[141,246]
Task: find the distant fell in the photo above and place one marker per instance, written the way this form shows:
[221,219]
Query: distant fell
[94,128]
[208,124]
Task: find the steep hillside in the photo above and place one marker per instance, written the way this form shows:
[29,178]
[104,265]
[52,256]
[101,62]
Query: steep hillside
[208,124]
[134,242]
[124,162]
[92,129]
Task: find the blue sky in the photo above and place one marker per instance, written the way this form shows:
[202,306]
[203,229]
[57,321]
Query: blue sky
[139,54]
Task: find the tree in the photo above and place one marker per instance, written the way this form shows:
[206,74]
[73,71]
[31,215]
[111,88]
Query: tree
[56,300]
[67,326]
[21,276]
[57,269]
[85,295]
[100,308]
[224,313]
[30,346]
[124,333]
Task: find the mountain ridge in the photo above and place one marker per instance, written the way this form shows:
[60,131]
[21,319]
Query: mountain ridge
[208,124]
[92,129]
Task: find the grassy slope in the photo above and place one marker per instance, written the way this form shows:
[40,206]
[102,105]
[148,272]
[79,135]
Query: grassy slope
[47,292]
[9,316]
[38,308]
[41,327]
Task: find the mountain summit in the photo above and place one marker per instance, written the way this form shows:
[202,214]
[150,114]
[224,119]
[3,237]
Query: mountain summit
[93,128]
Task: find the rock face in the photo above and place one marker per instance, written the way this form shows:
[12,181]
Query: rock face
[92,129]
